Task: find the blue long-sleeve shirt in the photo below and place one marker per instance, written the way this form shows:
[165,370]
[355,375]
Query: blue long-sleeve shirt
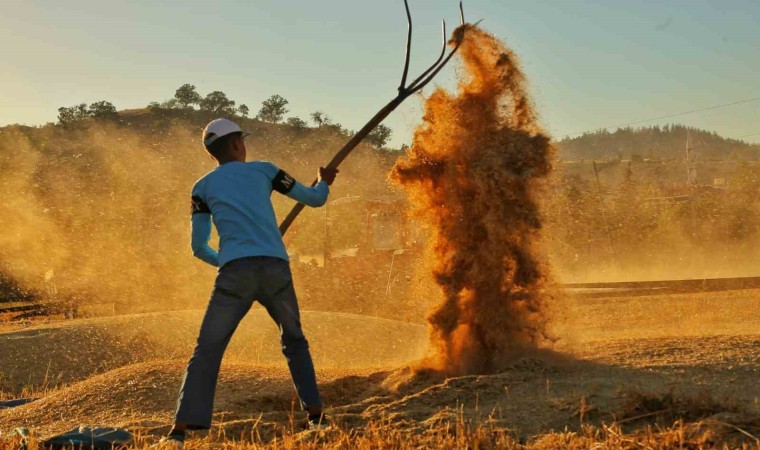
[236,196]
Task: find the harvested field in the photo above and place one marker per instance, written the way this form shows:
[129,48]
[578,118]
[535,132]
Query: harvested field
[704,376]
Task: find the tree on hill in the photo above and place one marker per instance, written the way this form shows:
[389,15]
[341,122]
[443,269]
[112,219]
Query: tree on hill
[379,136]
[297,123]
[217,102]
[273,109]
[68,116]
[325,123]
[162,106]
[243,110]
[320,119]
[73,114]
[186,96]
[102,110]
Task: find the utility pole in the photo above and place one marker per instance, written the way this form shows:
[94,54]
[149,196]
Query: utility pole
[610,246]
[691,168]
[691,182]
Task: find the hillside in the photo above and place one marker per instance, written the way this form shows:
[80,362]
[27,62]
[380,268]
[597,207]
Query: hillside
[119,185]
[656,142]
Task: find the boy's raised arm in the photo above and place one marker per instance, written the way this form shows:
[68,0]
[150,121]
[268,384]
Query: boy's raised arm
[311,196]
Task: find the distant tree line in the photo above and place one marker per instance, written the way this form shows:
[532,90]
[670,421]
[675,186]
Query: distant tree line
[186,98]
[98,110]
[666,142]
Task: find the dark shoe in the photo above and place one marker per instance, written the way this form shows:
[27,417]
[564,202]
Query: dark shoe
[318,421]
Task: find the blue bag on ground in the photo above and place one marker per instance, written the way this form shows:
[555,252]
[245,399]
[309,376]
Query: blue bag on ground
[15,402]
[97,438]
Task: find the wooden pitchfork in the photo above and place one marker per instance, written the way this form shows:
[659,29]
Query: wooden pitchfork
[404,91]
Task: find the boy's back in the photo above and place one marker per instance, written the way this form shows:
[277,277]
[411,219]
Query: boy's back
[237,196]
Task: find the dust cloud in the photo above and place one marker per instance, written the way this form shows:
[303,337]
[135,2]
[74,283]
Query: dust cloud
[99,215]
[473,176]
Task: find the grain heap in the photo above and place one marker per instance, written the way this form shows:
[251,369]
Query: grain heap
[473,175]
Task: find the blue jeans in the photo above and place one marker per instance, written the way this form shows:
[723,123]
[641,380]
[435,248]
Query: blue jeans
[238,284]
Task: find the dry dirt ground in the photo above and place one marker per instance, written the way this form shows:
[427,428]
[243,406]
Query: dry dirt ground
[639,362]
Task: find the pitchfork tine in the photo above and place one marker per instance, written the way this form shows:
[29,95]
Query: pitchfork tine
[429,69]
[433,70]
[417,85]
[437,69]
[408,47]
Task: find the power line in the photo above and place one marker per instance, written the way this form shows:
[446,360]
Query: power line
[668,116]
[748,135]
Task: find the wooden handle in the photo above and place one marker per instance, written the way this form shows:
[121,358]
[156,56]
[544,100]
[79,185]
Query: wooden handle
[344,152]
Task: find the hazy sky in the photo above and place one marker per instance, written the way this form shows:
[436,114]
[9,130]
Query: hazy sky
[590,63]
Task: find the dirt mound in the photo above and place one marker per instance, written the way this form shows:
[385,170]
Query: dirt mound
[75,350]
[145,394]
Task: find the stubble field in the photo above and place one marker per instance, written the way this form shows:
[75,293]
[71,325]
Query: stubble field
[638,372]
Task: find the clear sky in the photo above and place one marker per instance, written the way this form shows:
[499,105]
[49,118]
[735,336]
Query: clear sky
[591,63]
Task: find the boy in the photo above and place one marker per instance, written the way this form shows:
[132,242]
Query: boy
[253,265]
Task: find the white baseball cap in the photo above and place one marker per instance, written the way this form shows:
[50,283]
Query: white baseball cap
[218,128]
